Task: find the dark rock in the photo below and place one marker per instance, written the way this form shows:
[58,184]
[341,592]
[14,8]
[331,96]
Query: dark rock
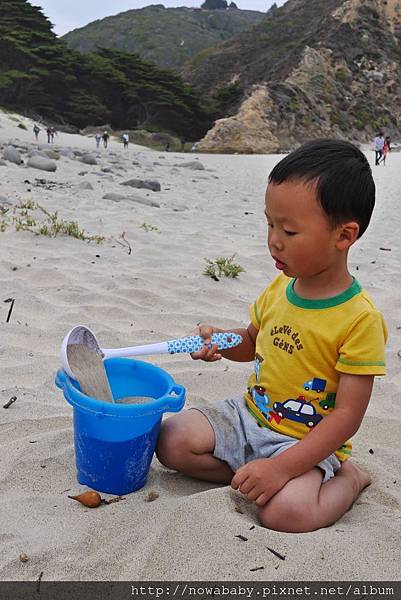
[89,159]
[143,184]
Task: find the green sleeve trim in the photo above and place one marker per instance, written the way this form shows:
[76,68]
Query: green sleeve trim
[361,363]
[255,308]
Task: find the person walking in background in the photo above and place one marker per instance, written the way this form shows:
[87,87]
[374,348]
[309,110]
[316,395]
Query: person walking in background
[125,138]
[36,131]
[49,135]
[52,134]
[386,149]
[98,137]
[379,144]
[105,138]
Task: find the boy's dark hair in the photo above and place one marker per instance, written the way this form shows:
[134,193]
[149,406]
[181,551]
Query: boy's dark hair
[344,182]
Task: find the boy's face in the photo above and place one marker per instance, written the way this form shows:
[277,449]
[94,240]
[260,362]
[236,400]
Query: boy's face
[301,239]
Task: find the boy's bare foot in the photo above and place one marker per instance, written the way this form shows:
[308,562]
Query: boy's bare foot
[360,476]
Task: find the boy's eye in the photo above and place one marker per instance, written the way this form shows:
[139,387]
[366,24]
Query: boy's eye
[290,232]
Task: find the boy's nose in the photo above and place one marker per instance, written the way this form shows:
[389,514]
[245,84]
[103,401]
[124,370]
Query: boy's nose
[274,241]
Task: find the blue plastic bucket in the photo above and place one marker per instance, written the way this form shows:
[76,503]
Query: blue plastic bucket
[114,443]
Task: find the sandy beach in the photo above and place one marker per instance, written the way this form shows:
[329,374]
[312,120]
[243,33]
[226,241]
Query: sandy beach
[143,284]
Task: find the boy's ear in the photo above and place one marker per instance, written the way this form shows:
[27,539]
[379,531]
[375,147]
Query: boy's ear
[347,235]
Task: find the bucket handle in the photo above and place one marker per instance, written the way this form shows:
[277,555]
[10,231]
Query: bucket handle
[175,399]
[60,379]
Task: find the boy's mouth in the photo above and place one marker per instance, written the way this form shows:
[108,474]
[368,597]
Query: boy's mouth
[278,263]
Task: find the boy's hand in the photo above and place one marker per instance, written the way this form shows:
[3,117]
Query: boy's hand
[259,480]
[209,352]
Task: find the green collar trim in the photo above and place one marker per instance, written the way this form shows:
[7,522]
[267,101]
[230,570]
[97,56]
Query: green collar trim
[349,293]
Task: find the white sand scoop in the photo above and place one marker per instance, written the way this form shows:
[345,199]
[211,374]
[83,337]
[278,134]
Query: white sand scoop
[83,336]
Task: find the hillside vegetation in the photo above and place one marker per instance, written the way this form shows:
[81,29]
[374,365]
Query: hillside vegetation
[167,36]
[41,76]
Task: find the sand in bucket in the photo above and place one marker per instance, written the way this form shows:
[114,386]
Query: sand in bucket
[134,400]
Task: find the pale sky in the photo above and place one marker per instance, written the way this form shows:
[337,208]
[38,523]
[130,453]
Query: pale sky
[70,14]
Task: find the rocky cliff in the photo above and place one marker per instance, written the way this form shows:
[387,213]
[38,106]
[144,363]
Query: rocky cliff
[313,68]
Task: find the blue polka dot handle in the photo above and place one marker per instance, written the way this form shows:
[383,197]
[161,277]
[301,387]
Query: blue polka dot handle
[80,334]
[194,343]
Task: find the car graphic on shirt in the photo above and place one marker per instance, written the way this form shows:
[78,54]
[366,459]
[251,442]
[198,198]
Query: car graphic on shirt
[329,401]
[298,410]
[315,385]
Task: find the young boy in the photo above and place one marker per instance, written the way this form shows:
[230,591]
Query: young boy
[317,341]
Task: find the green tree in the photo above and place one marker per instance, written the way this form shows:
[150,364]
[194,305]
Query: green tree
[214,4]
[227,97]
[40,75]
[34,65]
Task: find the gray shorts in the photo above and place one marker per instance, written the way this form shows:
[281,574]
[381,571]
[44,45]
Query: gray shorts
[239,438]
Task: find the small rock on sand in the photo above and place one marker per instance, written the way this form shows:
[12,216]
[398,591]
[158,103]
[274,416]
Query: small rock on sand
[85,185]
[44,164]
[146,184]
[12,155]
[89,159]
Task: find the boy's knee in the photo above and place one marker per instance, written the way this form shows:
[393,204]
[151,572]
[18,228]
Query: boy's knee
[286,513]
[172,445]
[182,438]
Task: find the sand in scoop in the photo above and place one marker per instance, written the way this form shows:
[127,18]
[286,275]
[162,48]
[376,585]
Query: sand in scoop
[88,368]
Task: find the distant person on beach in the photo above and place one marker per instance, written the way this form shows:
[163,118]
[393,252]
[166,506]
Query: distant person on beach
[98,137]
[105,138]
[125,138]
[194,147]
[49,135]
[317,342]
[53,132]
[379,144]
[386,150]
[167,148]
[36,131]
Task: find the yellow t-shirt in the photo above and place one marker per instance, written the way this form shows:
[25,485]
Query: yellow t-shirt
[302,347]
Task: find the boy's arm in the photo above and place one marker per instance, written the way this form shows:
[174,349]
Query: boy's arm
[244,352]
[262,478]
